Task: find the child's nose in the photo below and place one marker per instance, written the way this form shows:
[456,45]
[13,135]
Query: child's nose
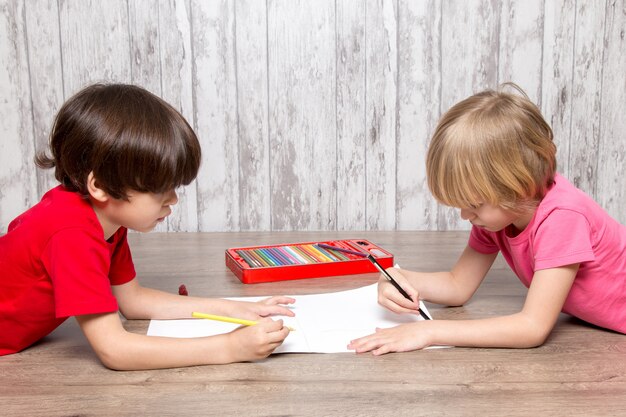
[466,214]
[172,198]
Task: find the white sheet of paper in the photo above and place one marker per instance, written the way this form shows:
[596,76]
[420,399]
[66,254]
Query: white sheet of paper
[324,323]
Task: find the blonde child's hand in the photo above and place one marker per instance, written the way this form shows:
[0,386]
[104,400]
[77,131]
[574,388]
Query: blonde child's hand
[402,338]
[249,343]
[390,298]
[272,306]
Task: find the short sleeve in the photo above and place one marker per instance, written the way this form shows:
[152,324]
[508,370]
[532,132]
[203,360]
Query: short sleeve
[78,264]
[482,241]
[122,268]
[563,238]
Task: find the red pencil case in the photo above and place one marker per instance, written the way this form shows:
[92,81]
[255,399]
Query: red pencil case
[268,263]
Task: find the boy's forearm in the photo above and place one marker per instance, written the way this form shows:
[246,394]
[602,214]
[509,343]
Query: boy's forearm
[122,350]
[148,303]
[138,352]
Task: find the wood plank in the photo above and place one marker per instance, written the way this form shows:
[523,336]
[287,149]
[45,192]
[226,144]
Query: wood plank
[216,114]
[145,48]
[302,117]
[381,51]
[95,43]
[18,180]
[521,39]
[145,55]
[351,122]
[45,76]
[419,89]
[252,113]
[177,88]
[351,84]
[579,371]
[156,27]
[469,55]
[611,172]
[586,88]
[556,86]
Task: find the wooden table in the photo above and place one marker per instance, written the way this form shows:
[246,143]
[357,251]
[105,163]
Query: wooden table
[580,370]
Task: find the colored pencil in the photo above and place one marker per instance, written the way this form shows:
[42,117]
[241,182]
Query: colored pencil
[258,257]
[284,250]
[344,250]
[305,254]
[276,252]
[335,256]
[312,253]
[296,255]
[243,322]
[253,263]
[323,257]
[268,256]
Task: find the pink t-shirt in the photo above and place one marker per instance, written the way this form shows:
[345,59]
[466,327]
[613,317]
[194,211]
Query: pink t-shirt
[568,228]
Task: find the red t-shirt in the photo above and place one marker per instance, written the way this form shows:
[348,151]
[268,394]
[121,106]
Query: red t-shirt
[55,263]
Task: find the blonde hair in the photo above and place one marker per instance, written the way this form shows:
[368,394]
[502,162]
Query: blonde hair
[493,147]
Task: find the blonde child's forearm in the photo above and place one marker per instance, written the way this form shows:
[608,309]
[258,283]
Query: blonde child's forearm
[514,331]
[437,287]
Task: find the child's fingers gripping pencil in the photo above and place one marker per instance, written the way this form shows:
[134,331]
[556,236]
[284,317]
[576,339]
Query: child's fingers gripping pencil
[224,319]
[395,284]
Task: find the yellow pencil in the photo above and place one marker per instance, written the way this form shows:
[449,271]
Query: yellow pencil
[228,319]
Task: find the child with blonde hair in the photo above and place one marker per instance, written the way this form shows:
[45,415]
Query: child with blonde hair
[493,157]
[119,153]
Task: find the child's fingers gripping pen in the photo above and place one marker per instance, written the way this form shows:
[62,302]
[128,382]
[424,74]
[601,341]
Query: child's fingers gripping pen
[389,278]
[395,284]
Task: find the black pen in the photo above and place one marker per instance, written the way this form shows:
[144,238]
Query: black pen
[379,267]
[394,283]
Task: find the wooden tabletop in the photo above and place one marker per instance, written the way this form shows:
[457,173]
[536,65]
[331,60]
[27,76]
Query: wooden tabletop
[580,370]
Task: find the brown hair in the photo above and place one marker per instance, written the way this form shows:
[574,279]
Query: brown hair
[130,138]
[493,147]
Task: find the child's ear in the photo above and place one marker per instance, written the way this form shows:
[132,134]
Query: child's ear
[96,192]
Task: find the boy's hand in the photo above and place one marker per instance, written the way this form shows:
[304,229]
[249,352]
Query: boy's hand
[402,338]
[273,306]
[390,298]
[255,342]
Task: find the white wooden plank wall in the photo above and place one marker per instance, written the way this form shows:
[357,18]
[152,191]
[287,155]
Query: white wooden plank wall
[316,115]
